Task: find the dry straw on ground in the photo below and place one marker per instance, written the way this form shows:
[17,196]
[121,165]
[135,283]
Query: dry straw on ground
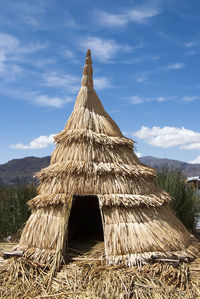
[93,279]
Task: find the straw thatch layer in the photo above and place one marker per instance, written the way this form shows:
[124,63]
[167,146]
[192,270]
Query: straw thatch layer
[127,200]
[86,184]
[46,200]
[62,169]
[91,137]
[139,259]
[43,228]
[89,114]
[94,153]
[130,200]
[143,231]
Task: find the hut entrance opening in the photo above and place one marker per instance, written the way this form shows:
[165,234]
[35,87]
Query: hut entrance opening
[85,230]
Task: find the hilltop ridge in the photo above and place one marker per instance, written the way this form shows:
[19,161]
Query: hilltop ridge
[22,170]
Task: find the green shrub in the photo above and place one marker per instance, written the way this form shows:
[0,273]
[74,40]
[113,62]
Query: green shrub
[13,209]
[185,203]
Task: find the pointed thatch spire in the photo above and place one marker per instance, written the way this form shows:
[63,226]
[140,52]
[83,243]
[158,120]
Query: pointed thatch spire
[87,79]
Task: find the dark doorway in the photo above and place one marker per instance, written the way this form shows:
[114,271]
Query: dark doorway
[85,224]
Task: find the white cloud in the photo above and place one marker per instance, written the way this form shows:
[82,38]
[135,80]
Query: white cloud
[32,47]
[136,15]
[141,79]
[72,83]
[106,19]
[192,44]
[44,100]
[30,20]
[139,100]
[102,83]
[192,146]
[175,66]
[190,98]
[8,42]
[193,47]
[143,14]
[38,143]
[12,53]
[138,155]
[196,161]
[169,136]
[161,99]
[69,54]
[28,13]
[102,49]
[2,62]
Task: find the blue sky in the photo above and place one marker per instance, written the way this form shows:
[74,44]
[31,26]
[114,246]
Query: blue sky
[146,60]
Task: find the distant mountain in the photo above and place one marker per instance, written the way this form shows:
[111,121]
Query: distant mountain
[187,169]
[22,170]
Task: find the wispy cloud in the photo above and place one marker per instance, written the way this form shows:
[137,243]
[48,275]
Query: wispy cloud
[44,100]
[175,66]
[9,44]
[192,44]
[103,49]
[36,98]
[195,161]
[29,13]
[108,19]
[70,82]
[70,55]
[37,143]
[102,83]
[12,52]
[139,155]
[193,47]
[139,100]
[140,15]
[170,136]
[141,79]
[189,99]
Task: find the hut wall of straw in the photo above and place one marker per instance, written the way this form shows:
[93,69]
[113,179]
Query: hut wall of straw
[43,227]
[140,230]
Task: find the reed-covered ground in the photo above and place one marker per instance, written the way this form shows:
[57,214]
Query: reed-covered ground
[87,278]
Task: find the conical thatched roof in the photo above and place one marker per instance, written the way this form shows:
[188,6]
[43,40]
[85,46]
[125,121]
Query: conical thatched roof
[92,157]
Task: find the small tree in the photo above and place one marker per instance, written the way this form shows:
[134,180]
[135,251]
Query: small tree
[185,203]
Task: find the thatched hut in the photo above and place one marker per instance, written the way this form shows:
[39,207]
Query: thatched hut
[96,187]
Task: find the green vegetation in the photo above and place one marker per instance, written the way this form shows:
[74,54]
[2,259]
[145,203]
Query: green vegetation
[184,202]
[13,209]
